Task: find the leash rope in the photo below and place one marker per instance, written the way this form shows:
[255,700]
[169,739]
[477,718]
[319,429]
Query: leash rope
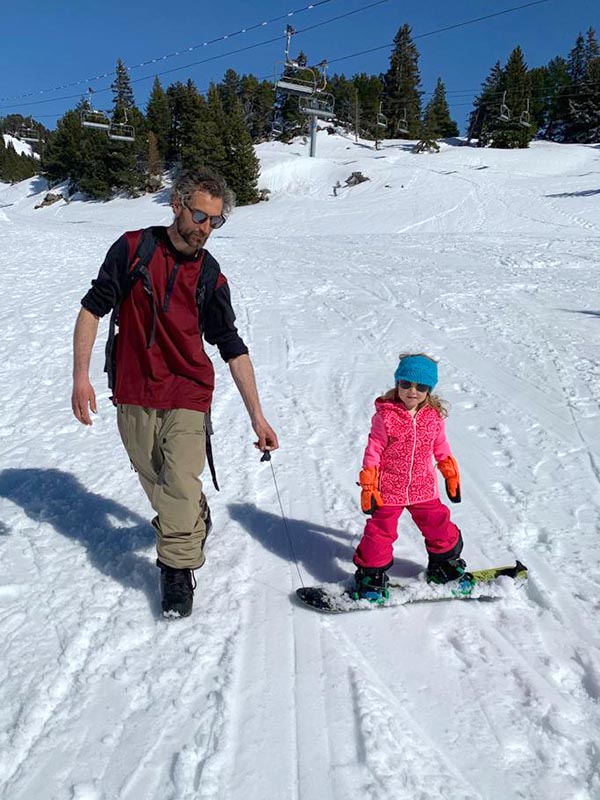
[267,457]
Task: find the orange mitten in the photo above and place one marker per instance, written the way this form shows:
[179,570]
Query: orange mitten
[449,469]
[370,498]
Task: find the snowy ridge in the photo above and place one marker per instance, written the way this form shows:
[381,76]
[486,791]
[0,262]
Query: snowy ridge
[485,259]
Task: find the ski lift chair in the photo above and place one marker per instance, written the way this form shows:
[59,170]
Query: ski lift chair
[90,118]
[29,135]
[277,126]
[304,86]
[402,126]
[97,120]
[121,132]
[525,118]
[504,115]
[289,82]
[320,105]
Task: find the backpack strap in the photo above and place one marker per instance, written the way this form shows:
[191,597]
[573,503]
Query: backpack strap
[209,275]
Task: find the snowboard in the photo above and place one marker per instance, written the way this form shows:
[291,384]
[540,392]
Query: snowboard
[486,584]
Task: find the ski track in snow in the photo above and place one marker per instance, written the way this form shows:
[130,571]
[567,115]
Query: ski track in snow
[485,259]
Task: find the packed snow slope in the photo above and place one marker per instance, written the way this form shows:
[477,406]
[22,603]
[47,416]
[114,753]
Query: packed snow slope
[485,259]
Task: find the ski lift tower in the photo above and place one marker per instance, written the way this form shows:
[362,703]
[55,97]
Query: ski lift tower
[318,106]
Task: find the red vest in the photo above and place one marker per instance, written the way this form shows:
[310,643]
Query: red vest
[171,369]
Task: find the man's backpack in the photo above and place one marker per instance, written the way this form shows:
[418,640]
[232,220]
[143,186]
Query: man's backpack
[138,270]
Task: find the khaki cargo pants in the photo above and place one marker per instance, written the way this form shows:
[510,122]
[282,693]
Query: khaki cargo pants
[167,448]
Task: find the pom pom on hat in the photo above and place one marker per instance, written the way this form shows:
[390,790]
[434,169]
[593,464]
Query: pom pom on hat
[417,369]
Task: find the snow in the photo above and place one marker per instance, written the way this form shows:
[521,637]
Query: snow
[20,147]
[485,259]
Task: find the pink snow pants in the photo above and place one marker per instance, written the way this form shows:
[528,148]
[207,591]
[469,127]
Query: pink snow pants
[376,548]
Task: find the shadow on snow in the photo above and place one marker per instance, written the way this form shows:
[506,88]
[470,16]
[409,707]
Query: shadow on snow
[324,555]
[110,532]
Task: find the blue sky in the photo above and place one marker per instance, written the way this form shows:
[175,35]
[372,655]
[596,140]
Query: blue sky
[47,45]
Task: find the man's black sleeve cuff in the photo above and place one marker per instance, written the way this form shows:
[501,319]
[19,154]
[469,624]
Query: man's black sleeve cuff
[219,325]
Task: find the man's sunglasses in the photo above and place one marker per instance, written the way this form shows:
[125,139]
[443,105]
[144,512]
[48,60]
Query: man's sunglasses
[198,217]
[421,387]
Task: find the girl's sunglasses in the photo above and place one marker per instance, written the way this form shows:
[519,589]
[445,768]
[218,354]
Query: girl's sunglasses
[421,387]
[198,217]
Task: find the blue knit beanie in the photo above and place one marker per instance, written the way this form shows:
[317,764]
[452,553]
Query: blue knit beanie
[417,369]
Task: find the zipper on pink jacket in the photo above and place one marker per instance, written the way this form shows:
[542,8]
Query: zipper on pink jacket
[412,459]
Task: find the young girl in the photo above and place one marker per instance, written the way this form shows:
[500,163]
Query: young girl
[407,434]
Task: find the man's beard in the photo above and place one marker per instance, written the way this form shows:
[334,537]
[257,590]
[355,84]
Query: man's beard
[192,237]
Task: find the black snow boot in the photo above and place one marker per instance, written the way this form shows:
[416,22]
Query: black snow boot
[177,590]
[450,570]
[370,583]
[445,567]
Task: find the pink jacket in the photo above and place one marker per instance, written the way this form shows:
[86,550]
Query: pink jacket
[403,447]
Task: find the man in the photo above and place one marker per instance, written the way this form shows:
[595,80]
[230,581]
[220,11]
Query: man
[164,380]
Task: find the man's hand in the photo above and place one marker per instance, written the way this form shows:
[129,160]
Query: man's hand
[267,438]
[82,400]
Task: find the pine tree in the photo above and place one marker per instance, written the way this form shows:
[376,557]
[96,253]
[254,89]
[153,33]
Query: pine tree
[369,94]
[402,95]
[539,99]
[123,171]
[158,118]
[16,167]
[97,166]
[122,92]
[187,108]
[229,90]
[242,168]
[515,90]
[63,159]
[257,99]
[86,158]
[583,108]
[437,119]
[577,61]
[485,107]
[345,96]
[584,124]
[214,129]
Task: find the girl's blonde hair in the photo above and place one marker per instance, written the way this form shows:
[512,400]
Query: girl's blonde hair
[433,400]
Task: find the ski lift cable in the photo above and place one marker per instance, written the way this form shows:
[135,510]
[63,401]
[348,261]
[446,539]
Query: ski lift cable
[267,41]
[464,23]
[275,39]
[174,54]
[197,63]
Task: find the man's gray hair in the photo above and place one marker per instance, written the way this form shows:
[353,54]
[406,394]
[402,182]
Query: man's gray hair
[202,180]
